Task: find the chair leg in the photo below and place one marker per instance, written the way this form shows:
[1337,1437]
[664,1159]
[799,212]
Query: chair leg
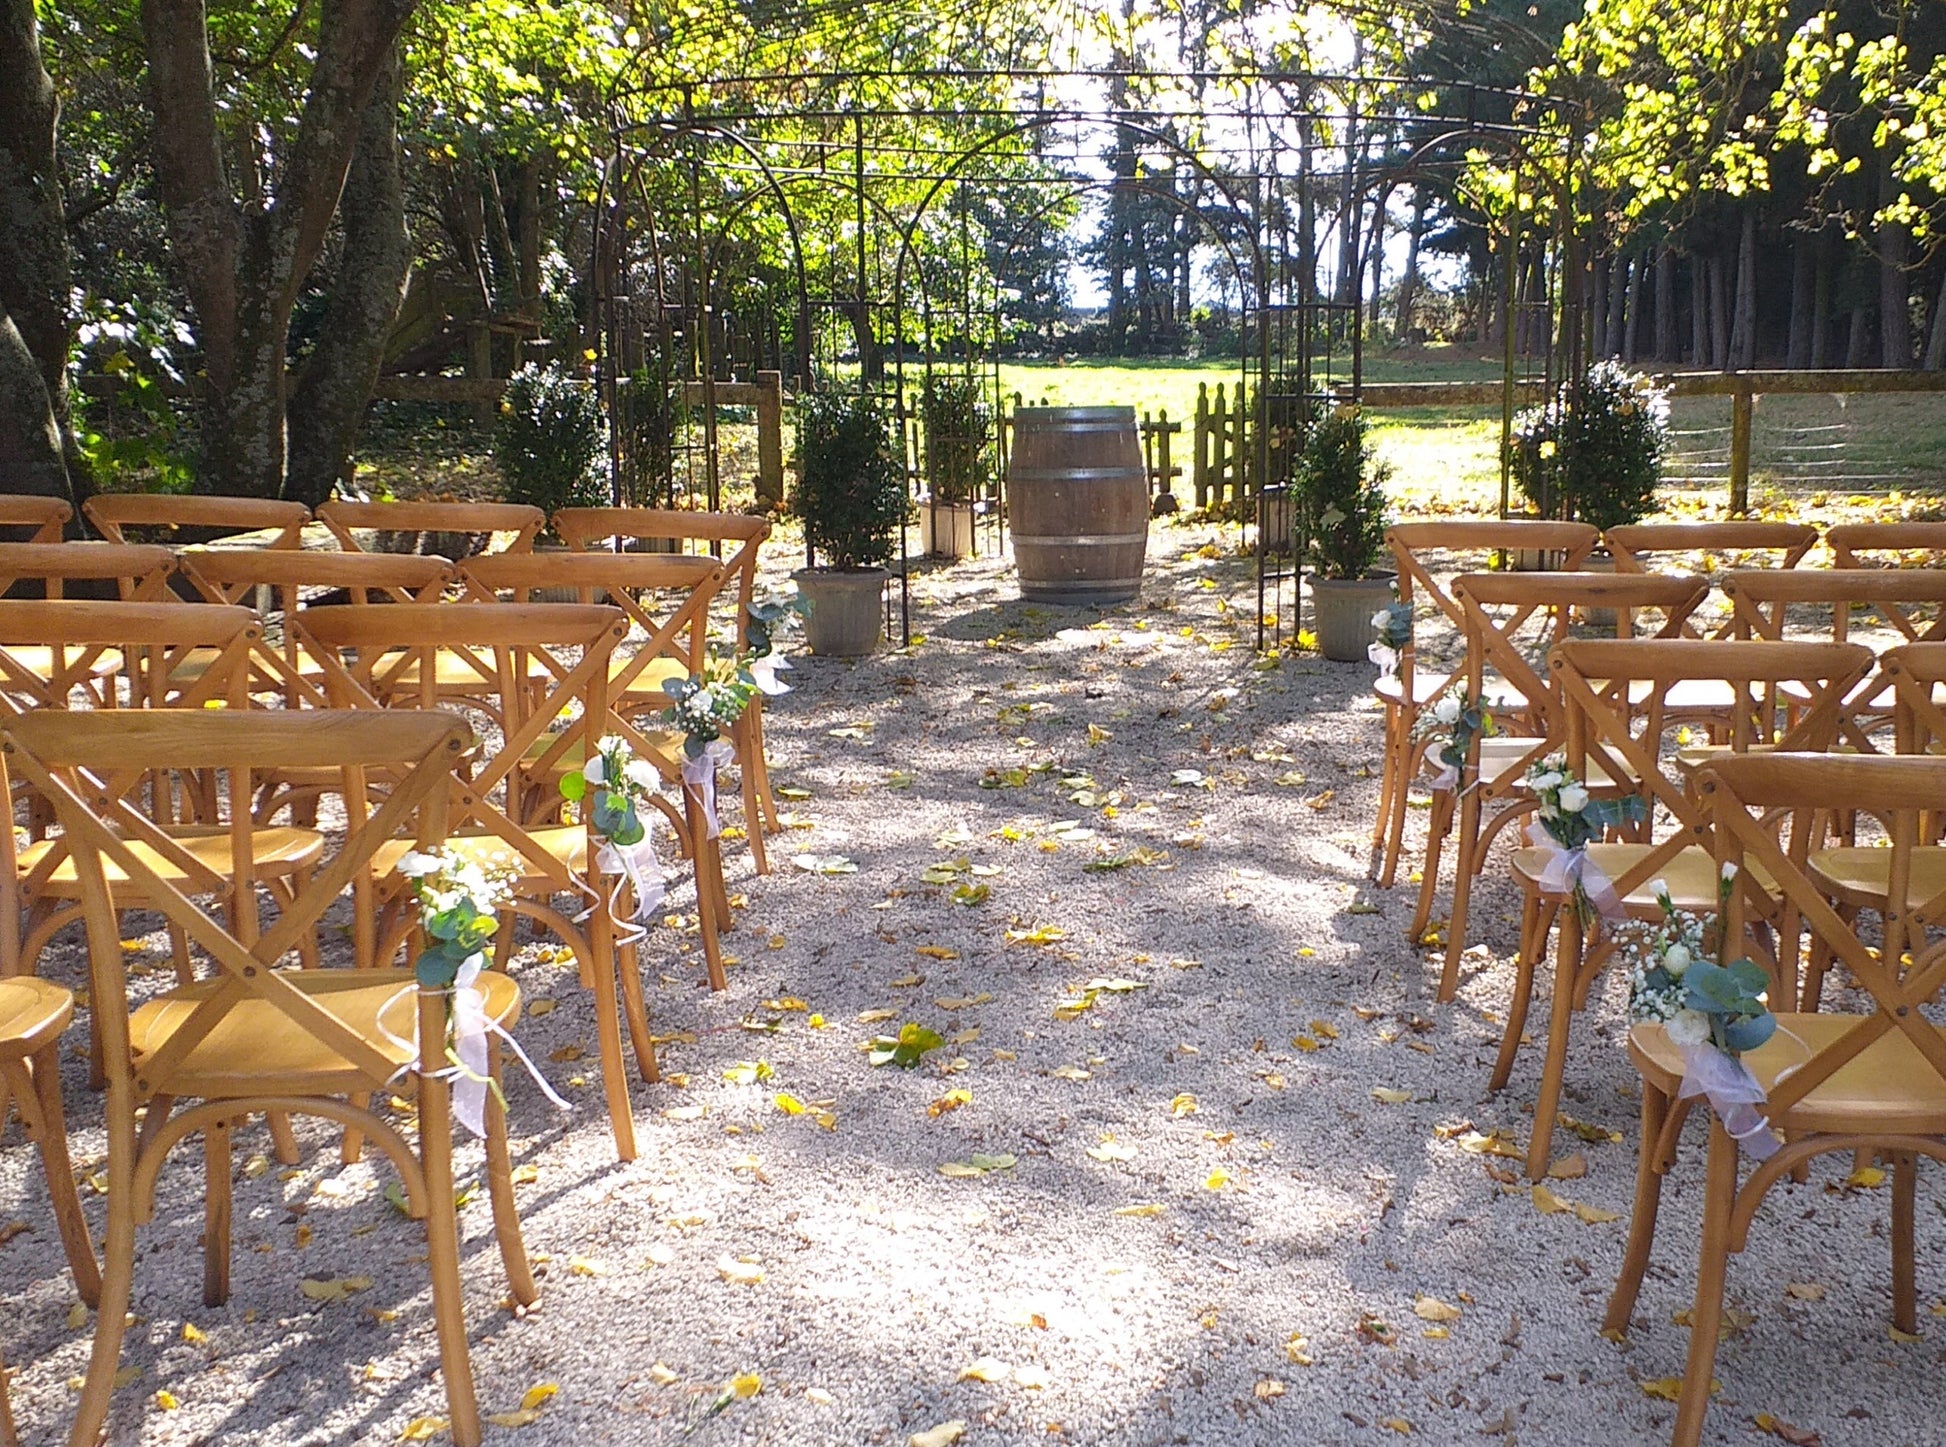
[753,821]
[1538,918]
[500,1189]
[39,1098]
[216,1213]
[1387,777]
[1905,1296]
[283,1140]
[635,1011]
[117,1279]
[1567,965]
[442,1258]
[1712,1266]
[1466,864]
[1437,825]
[1398,804]
[608,1033]
[1641,1221]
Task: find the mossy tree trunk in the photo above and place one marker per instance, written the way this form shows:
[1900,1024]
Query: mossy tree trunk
[36,445]
[332,392]
[243,257]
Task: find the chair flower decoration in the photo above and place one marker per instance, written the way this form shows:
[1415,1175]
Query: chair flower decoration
[706,706]
[1391,631]
[1713,1011]
[762,661]
[460,900]
[1569,818]
[1456,718]
[611,785]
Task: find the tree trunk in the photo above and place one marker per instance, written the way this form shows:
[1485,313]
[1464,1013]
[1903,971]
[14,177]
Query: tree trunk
[1617,300]
[1632,326]
[1743,333]
[1803,298]
[1409,281]
[332,393]
[1894,298]
[1719,314]
[1598,285]
[243,266]
[1936,342]
[1821,303]
[1666,347]
[1699,313]
[1858,343]
[35,442]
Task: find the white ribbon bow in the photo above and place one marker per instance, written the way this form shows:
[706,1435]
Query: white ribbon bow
[467,1070]
[1734,1093]
[765,670]
[1568,868]
[1384,655]
[636,866]
[699,776]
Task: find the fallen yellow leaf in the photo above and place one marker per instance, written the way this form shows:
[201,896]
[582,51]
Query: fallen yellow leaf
[1297,1349]
[538,1393]
[1431,1308]
[336,1289]
[167,1401]
[1216,1180]
[944,1435]
[739,1273]
[746,1385]
[1866,1178]
[1184,1104]
[1397,1424]
[986,1369]
[1269,1389]
[787,1103]
[1146,1208]
[424,1429]
[1386,1095]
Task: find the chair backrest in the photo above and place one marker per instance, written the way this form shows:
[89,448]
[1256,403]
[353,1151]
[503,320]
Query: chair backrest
[583,528]
[64,757]
[1616,695]
[1415,545]
[457,520]
[1633,544]
[1761,601]
[114,512]
[76,633]
[1853,544]
[1510,620]
[1916,675]
[1746,796]
[137,571]
[48,517]
[625,580]
[542,661]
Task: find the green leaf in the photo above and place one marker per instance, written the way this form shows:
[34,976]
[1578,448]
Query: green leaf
[574,788]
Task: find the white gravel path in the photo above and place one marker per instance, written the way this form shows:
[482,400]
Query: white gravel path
[1280,1203]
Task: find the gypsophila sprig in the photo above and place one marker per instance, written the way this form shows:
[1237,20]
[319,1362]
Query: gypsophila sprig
[1659,956]
[610,784]
[707,704]
[459,900]
[1725,1002]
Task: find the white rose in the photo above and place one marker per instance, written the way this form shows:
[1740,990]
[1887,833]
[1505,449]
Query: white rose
[1447,710]
[641,773]
[1675,960]
[1689,1027]
[1574,798]
[608,743]
[416,865]
[1659,889]
[1729,870]
[1382,618]
[592,770]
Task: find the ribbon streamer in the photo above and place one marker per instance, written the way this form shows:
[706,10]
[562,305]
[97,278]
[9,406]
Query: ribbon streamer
[765,670]
[1385,656]
[1734,1093]
[1572,872]
[699,776]
[467,1070]
[635,865]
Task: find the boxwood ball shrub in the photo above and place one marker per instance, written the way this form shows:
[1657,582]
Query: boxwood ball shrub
[549,442]
[851,479]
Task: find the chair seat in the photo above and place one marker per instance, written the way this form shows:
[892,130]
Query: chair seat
[33,1012]
[279,849]
[256,1049]
[566,844]
[38,659]
[449,670]
[1690,875]
[650,680]
[195,663]
[667,744]
[1688,696]
[1862,876]
[1888,1087]
[1503,753]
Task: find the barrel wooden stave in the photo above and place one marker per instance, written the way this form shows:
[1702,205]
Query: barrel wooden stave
[1078,504]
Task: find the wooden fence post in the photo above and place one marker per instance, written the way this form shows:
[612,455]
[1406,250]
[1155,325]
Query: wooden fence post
[1200,457]
[1742,410]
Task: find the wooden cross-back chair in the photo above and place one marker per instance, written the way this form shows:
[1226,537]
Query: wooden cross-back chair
[675,645]
[1618,726]
[173,514]
[280,581]
[1416,548]
[251,1037]
[450,521]
[1836,1082]
[1710,548]
[1857,545]
[736,538]
[44,519]
[128,572]
[529,644]
[1509,621]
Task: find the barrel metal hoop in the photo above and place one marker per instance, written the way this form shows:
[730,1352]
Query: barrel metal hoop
[1078,540]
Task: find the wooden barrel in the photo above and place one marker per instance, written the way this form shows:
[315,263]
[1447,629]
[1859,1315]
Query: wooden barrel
[1078,504]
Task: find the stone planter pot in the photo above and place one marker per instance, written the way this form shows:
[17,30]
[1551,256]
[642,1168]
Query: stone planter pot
[946,529]
[1601,620]
[1341,613]
[847,610]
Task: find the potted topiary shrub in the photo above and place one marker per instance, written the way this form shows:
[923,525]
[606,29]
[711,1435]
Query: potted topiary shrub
[1341,492]
[1595,455]
[851,496]
[959,434]
[550,442]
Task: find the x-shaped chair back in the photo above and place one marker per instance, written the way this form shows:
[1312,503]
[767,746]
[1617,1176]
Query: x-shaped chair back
[347,519]
[525,647]
[1615,696]
[1634,545]
[47,517]
[1916,674]
[246,575]
[1414,545]
[1744,794]
[1511,620]
[137,571]
[112,513]
[734,537]
[75,633]
[677,634]
[1848,541]
[1761,600]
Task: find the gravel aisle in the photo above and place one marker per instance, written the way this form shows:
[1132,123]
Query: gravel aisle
[1173,1209]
